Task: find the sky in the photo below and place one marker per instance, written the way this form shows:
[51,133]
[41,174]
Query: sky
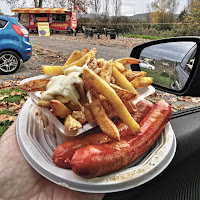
[129,7]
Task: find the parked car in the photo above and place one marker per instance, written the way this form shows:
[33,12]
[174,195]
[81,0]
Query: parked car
[14,45]
[145,64]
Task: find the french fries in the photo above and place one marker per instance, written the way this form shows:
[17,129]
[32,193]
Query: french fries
[79,116]
[59,109]
[62,99]
[106,124]
[105,89]
[120,66]
[35,85]
[84,51]
[128,61]
[123,82]
[106,71]
[47,69]
[100,62]
[81,61]
[131,75]
[71,123]
[145,81]
[142,82]
[76,55]
[45,104]
[123,93]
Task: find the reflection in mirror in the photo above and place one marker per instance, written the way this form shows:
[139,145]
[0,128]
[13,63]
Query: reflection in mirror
[169,63]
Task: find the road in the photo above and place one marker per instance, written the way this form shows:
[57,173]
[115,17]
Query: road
[67,44]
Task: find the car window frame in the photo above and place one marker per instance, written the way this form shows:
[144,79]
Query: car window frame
[4,25]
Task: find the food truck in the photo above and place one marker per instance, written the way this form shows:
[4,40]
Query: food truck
[59,19]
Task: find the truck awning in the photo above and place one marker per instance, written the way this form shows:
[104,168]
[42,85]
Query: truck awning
[40,10]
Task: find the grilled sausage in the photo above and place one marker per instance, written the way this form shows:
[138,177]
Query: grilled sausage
[66,150]
[97,160]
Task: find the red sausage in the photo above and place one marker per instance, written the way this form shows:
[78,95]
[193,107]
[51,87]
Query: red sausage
[66,150]
[97,160]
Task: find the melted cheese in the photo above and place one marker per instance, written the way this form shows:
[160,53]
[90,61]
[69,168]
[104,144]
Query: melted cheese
[65,85]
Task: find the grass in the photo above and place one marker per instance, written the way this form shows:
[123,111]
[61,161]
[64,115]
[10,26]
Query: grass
[159,79]
[9,91]
[4,125]
[7,112]
[143,36]
[16,98]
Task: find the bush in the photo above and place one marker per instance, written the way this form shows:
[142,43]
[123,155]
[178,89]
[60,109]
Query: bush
[164,74]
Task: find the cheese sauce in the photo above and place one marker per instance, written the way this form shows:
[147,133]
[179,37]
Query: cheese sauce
[64,85]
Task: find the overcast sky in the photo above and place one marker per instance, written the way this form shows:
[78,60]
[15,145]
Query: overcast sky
[129,7]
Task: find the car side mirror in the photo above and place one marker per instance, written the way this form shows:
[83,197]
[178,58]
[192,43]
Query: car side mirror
[173,63]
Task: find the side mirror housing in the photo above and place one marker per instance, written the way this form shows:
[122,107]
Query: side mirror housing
[173,63]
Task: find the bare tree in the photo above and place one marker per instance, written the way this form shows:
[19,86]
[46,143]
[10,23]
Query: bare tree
[117,5]
[96,6]
[106,8]
[82,5]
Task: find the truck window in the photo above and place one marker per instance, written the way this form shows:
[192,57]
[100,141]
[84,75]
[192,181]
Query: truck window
[59,17]
[41,17]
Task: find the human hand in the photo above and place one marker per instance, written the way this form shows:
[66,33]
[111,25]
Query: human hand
[19,181]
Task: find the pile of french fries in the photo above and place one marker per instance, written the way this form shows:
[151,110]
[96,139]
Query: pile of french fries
[109,89]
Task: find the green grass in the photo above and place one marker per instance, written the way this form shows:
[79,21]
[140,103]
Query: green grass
[10,99]
[158,78]
[13,99]
[9,91]
[4,126]
[143,36]
[7,112]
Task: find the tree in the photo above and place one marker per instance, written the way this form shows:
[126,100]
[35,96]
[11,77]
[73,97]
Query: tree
[106,8]
[81,5]
[96,5]
[194,12]
[163,11]
[117,5]
[183,15]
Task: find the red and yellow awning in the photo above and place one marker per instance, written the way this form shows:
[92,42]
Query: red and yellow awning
[40,10]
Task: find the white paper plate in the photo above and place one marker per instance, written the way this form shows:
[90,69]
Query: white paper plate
[37,145]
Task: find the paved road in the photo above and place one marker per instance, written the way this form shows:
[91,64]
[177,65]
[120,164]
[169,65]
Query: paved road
[67,47]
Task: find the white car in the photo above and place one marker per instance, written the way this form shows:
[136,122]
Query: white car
[145,64]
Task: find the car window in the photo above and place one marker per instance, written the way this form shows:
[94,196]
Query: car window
[3,23]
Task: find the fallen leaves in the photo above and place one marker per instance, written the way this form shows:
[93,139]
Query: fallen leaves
[7,117]
[177,102]
[12,98]
[21,77]
[8,84]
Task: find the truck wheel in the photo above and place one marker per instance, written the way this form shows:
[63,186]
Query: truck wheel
[51,31]
[9,62]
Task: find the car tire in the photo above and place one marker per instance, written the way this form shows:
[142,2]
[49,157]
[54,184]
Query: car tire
[9,62]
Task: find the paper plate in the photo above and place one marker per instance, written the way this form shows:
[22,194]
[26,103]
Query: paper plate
[37,145]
